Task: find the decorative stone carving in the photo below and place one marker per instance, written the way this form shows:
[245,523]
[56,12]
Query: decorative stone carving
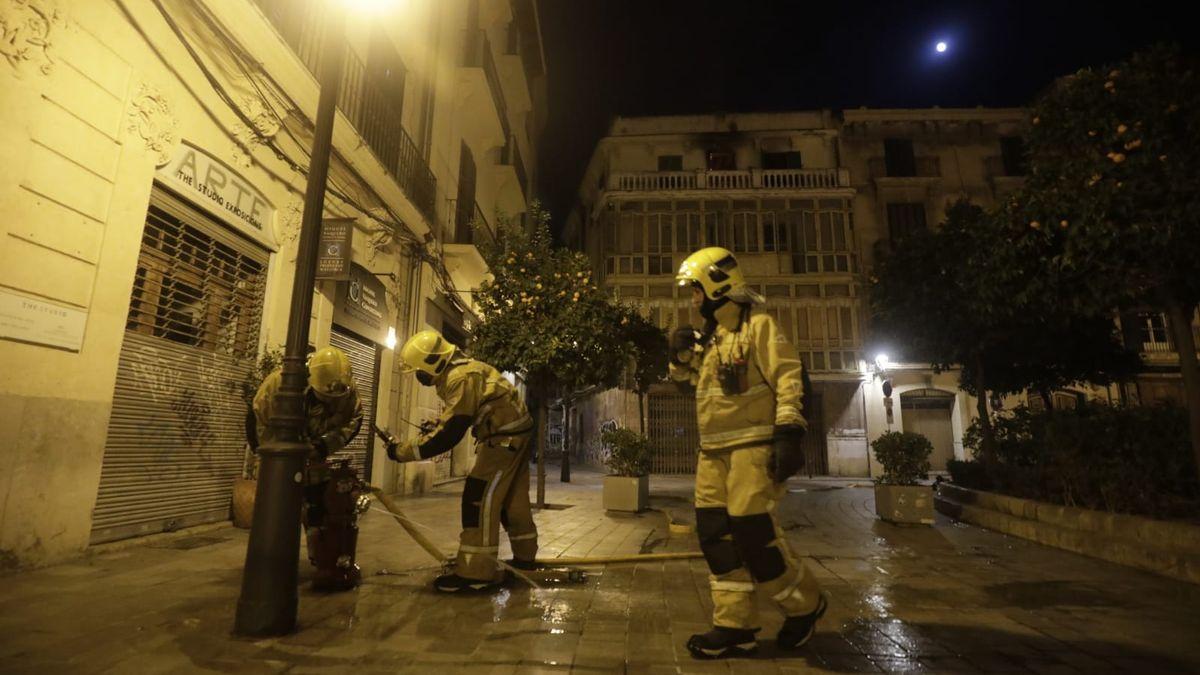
[289,222]
[26,30]
[150,116]
[266,125]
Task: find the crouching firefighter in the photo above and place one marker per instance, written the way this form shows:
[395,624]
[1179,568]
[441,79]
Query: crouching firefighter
[496,491]
[331,493]
[750,386]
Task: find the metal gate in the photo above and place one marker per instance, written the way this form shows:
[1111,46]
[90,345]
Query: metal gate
[364,363]
[672,431]
[816,456]
[176,433]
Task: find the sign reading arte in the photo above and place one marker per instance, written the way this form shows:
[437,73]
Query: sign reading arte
[220,190]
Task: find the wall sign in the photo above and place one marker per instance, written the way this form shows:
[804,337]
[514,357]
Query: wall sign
[223,192]
[41,322]
[360,304]
[333,251]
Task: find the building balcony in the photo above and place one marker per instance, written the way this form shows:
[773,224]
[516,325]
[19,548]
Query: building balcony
[1003,183]
[751,179]
[371,106]
[464,261]
[481,102]
[511,180]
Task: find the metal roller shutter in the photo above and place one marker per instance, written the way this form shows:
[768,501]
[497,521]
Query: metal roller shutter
[364,362]
[176,433]
[671,428]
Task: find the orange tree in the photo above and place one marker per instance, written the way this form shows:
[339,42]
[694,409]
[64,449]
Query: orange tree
[543,316]
[1114,157]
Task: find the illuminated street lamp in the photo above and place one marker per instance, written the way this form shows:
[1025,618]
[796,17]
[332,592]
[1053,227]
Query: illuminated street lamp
[268,601]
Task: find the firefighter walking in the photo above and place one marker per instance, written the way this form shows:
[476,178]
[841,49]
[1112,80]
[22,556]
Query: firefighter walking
[749,385]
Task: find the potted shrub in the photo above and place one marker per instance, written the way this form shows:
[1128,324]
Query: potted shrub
[899,498]
[627,488]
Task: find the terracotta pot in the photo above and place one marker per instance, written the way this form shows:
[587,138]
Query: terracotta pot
[909,504]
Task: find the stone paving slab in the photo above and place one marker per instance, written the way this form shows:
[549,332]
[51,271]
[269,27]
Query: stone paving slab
[945,599]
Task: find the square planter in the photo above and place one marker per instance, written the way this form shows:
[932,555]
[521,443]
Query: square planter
[909,504]
[626,493]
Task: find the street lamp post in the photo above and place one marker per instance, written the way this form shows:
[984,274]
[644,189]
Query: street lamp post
[268,601]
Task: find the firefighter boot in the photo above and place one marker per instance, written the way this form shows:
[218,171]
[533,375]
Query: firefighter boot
[721,642]
[798,630]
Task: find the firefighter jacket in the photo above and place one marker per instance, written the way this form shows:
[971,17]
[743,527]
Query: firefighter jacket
[748,381]
[476,396]
[333,423]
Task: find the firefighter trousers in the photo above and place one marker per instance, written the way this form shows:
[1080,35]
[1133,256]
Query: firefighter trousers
[496,493]
[743,545]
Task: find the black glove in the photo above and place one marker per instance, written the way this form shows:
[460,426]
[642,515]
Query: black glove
[320,447]
[682,340]
[787,457]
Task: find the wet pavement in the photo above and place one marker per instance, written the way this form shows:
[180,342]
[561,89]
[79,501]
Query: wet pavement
[951,598]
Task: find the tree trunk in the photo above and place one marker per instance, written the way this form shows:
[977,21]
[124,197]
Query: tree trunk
[564,474]
[985,421]
[1047,399]
[1180,316]
[543,423]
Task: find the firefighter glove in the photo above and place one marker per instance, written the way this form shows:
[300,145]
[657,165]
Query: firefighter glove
[787,455]
[683,341]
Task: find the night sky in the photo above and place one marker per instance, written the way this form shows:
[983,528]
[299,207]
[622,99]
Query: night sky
[648,57]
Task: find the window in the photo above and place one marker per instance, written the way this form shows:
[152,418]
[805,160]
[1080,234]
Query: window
[192,288]
[775,231]
[904,219]
[387,71]
[745,232]
[898,157]
[820,238]
[687,232]
[658,232]
[721,160]
[1012,152]
[781,160]
[717,230]
[660,264]
[1153,329]
[670,162]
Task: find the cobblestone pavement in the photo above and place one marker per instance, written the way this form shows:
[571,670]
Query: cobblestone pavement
[951,598]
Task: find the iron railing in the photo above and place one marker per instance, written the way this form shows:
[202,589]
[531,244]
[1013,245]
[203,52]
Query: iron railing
[362,98]
[477,53]
[511,156]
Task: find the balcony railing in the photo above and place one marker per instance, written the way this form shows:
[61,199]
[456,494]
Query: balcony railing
[510,155]
[472,227]
[477,53]
[772,179]
[362,98]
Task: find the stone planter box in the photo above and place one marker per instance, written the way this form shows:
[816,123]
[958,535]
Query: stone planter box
[626,493]
[1168,548]
[904,504]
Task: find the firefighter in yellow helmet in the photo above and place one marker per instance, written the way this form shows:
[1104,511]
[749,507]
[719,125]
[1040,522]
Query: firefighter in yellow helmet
[334,416]
[750,386]
[496,491]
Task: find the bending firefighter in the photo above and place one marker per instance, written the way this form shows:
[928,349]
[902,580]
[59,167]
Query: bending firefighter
[750,388]
[334,415]
[496,491]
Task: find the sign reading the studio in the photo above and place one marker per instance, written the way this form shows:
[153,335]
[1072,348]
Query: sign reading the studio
[333,251]
[361,304]
[41,322]
[217,188]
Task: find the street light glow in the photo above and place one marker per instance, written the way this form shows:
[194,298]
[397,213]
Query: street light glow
[881,361]
[941,47]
